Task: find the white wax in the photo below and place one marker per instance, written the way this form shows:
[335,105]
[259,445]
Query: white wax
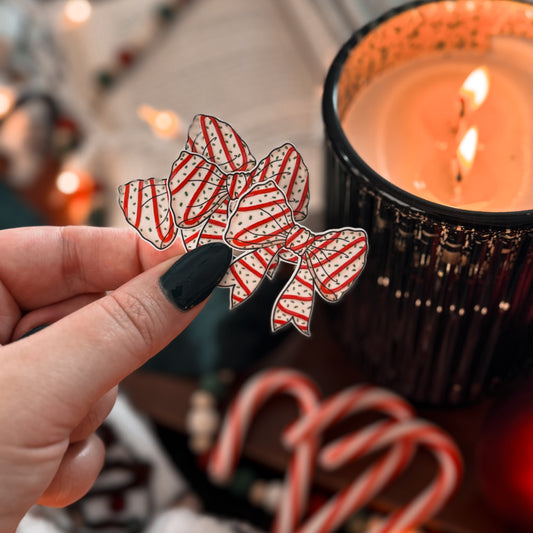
[404,125]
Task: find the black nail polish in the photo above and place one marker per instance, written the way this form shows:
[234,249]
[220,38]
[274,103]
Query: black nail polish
[34,330]
[192,278]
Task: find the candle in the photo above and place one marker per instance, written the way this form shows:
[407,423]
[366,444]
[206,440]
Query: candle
[405,126]
[429,125]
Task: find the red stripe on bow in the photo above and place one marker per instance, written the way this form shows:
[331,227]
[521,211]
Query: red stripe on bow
[139,204]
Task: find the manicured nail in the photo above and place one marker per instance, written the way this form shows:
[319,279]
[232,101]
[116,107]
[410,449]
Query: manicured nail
[34,330]
[192,278]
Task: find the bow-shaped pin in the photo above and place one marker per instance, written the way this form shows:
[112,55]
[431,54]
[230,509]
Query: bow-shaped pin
[328,262]
[213,171]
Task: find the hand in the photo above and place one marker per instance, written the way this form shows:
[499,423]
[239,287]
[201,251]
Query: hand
[58,384]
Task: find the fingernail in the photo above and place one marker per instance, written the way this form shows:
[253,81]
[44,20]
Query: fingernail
[192,278]
[34,330]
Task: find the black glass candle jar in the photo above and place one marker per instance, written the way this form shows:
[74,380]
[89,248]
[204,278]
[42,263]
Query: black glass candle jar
[443,312]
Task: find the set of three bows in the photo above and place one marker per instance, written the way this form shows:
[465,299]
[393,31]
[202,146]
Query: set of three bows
[216,192]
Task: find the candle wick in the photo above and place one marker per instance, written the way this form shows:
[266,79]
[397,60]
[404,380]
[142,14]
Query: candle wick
[459,177]
[462,108]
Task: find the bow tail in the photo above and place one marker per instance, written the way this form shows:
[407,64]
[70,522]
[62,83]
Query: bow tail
[246,272]
[295,303]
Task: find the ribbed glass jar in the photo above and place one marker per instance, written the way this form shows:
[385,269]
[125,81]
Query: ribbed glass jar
[443,312]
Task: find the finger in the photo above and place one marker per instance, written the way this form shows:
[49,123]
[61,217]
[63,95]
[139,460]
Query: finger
[76,474]
[52,313]
[95,417]
[45,265]
[73,362]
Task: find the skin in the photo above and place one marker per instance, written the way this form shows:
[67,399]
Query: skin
[98,288]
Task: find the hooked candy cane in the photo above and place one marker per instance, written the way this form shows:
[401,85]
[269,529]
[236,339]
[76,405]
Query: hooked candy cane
[349,401]
[373,438]
[235,427]
[367,485]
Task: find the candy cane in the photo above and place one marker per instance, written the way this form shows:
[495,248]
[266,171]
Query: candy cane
[374,478]
[349,401]
[235,427]
[374,438]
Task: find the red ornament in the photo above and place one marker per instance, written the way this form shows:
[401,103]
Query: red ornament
[505,459]
[126,58]
[66,123]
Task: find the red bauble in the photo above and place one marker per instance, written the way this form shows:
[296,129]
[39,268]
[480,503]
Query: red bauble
[126,57]
[505,458]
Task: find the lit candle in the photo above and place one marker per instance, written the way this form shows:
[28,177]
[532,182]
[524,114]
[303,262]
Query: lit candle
[429,123]
[405,125]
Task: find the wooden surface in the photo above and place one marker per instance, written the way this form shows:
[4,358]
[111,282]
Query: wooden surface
[165,398]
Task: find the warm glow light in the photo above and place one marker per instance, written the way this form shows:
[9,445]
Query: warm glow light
[78,11]
[68,182]
[7,99]
[466,152]
[475,88]
[165,123]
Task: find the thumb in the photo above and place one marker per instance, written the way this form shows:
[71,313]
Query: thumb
[83,355]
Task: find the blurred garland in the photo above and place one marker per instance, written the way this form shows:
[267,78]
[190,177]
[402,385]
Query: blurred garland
[138,45]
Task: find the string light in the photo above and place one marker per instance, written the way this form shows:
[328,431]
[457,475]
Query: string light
[7,99]
[78,11]
[68,182]
[165,124]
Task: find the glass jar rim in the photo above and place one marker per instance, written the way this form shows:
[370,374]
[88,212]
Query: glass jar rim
[346,153]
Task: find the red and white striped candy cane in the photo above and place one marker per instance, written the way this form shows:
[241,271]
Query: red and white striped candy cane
[239,417]
[374,478]
[373,438]
[338,407]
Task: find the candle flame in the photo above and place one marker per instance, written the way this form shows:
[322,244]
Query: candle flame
[164,123]
[466,152]
[475,88]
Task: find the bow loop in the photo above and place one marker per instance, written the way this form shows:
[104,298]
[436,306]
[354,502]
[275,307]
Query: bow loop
[197,187]
[285,166]
[217,142]
[335,259]
[146,206]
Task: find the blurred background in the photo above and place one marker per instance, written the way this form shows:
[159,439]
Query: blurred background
[94,93]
